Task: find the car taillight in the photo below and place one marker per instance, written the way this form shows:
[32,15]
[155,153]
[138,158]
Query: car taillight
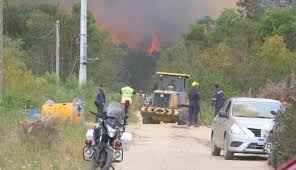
[126,104]
[118,144]
[88,142]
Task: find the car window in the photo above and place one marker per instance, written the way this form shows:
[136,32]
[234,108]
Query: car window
[253,109]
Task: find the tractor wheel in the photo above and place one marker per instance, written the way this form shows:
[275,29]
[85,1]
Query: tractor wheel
[183,116]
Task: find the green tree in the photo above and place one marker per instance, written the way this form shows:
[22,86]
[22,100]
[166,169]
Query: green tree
[277,61]
[226,20]
[242,38]
[196,34]
[222,26]
[280,22]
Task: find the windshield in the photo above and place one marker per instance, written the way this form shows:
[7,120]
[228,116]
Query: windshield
[178,83]
[115,110]
[255,109]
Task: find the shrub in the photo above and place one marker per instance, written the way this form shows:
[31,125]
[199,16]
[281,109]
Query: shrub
[286,135]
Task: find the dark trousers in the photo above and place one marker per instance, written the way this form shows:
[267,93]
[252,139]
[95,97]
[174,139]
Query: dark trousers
[217,110]
[126,112]
[193,115]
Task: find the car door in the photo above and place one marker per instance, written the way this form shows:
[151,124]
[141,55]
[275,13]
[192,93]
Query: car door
[217,124]
[225,122]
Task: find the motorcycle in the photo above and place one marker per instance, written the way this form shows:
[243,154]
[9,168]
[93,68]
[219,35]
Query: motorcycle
[105,143]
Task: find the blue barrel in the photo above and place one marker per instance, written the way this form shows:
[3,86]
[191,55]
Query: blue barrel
[33,113]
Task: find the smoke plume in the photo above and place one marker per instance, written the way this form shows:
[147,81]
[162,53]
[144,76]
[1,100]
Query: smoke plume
[133,20]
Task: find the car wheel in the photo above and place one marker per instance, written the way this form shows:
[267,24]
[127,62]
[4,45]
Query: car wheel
[214,149]
[227,154]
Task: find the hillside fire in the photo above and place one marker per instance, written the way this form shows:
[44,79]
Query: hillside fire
[154,44]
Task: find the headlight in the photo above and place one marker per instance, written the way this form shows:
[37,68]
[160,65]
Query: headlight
[111,131]
[235,129]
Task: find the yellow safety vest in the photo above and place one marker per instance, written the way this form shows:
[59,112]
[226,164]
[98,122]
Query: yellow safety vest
[126,94]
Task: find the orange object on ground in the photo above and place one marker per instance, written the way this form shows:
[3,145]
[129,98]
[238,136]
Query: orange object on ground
[66,112]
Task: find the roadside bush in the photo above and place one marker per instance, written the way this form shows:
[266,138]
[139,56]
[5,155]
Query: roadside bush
[72,82]
[286,135]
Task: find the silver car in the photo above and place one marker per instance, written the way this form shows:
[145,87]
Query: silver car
[242,126]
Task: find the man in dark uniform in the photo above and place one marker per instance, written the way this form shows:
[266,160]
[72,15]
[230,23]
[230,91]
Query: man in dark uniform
[218,99]
[100,99]
[194,104]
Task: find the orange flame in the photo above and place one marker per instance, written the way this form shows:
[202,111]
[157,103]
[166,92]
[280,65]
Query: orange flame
[154,46]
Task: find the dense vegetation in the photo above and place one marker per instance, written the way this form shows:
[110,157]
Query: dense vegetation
[35,27]
[285,135]
[240,54]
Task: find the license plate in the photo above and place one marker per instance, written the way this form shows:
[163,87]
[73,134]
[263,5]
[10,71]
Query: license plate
[261,141]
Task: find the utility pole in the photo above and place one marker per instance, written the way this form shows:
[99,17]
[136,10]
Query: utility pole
[58,48]
[83,42]
[1,49]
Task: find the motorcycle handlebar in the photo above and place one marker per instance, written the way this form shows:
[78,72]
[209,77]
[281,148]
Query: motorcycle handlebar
[103,116]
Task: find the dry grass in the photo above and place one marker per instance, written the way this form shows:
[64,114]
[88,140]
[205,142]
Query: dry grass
[18,151]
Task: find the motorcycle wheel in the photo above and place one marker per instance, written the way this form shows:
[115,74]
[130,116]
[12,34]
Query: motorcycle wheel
[108,159]
[93,164]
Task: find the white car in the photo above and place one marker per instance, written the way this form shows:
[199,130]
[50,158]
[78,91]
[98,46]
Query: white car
[242,126]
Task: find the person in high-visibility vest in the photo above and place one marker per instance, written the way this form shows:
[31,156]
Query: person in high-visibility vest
[126,94]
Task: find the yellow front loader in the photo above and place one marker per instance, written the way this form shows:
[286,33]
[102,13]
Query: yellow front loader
[169,103]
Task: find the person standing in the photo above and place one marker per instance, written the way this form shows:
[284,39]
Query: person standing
[194,105]
[126,96]
[100,99]
[218,99]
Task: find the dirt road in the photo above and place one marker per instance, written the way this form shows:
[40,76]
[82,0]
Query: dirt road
[172,147]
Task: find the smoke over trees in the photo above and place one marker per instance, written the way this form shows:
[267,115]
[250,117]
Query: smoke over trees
[132,20]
